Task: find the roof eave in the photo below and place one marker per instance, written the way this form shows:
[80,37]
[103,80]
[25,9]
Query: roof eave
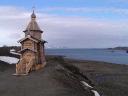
[33,30]
[27,49]
[20,41]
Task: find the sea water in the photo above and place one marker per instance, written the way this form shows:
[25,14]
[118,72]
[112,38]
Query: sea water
[116,56]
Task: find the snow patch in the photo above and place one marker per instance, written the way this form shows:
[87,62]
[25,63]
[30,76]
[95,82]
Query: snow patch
[14,53]
[96,93]
[86,84]
[10,60]
[12,50]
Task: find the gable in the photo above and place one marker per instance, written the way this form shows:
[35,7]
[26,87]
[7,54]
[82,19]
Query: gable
[28,38]
[27,50]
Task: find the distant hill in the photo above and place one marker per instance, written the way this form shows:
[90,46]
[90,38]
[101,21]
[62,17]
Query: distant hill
[119,48]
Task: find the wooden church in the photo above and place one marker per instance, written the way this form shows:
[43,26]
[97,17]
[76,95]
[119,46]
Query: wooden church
[32,49]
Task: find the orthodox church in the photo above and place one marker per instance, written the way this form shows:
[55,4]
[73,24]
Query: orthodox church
[32,49]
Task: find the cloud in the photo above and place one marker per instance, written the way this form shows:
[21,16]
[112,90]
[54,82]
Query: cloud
[63,31]
[84,32]
[85,10]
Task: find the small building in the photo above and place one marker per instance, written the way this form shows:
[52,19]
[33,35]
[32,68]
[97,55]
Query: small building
[32,49]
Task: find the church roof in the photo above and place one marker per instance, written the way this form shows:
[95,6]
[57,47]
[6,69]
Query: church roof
[23,50]
[43,41]
[29,37]
[33,39]
[33,25]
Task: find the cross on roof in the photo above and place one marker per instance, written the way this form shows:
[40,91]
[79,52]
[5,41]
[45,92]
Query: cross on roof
[33,8]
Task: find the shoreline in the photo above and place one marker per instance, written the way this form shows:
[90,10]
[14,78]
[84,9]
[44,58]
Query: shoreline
[94,61]
[77,60]
[82,60]
[103,55]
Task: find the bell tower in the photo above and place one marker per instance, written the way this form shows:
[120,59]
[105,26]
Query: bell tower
[33,29]
[32,49]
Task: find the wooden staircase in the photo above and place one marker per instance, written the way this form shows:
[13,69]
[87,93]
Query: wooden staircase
[29,65]
[23,68]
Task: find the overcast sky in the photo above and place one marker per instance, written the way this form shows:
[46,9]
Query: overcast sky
[67,23]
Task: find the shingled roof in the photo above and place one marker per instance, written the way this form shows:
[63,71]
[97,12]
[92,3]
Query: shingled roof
[33,39]
[23,50]
[33,25]
[29,37]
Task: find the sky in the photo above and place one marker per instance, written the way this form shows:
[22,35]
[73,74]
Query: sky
[67,23]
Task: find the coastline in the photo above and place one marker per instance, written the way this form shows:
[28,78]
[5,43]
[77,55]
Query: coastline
[103,55]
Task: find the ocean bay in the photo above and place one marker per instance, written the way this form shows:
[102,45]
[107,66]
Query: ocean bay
[105,55]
